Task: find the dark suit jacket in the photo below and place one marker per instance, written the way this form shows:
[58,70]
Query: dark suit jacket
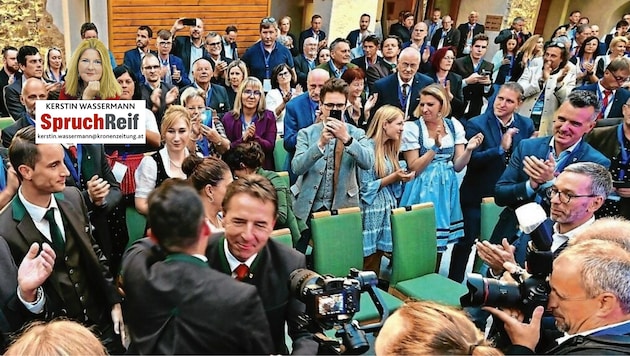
[621,97]
[18,229]
[145,92]
[10,131]
[133,61]
[306,34]
[269,273]
[219,100]
[360,62]
[473,93]
[213,63]
[191,308]
[452,38]
[179,64]
[12,98]
[13,313]
[387,89]
[326,67]
[457,104]
[486,163]
[298,115]
[401,31]
[463,31]
[510,190]
[4,81]
[507,33]
[377,71]
[353,37]
[181,48]
[302,69]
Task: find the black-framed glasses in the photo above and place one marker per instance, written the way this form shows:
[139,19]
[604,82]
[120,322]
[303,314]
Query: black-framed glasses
[268,20]
[564,196]
[619,79]
[150,67]
[334,106]
[213,44]
[165,44]
[284,74]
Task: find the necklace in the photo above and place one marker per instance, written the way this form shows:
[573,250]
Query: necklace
[174,165]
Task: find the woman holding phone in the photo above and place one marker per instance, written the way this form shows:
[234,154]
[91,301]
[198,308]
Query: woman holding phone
[207,134]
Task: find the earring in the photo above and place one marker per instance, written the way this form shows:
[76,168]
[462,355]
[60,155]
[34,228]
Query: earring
[211,198]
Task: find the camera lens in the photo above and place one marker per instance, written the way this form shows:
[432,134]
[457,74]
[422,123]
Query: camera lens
[490,292]
[300,279]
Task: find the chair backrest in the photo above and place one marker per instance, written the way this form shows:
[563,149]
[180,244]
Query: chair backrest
[414,239]
[285,177]
[136,224]
[490,212]
[283,236]
[6,122]
[280,156]
[337,241]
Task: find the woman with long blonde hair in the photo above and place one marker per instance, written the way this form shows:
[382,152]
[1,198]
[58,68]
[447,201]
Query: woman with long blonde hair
[381,185]
[530,54]
[90,74]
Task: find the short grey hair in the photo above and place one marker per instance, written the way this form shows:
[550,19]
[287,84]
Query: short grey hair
[601,180]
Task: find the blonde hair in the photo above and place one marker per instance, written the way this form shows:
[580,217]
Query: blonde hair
[47,70]
[191,93]
[236,63]
[439,93]
[434,329]
[58,337]
[618,39]
[109,87]
[384,150]
[172,114]
[530,46]
[238,102]
[615,229]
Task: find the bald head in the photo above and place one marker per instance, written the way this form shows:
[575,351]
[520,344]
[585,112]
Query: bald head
[315,81]
[33,90]
[408,63]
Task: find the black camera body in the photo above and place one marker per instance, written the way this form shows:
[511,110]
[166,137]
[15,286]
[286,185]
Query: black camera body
[526,293]
[331,302]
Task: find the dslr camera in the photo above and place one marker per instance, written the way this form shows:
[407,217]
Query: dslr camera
[331,302]
[526,293]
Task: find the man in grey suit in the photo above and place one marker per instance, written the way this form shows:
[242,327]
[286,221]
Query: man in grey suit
[327,154]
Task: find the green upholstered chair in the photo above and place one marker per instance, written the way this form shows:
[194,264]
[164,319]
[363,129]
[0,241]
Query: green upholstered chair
[489,217]
[414,258]
[283,236]
[280,156]
[6,122]
[136,224]
[337,247]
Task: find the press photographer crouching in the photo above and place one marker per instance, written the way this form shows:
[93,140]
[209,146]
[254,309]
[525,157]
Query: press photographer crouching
[589,299]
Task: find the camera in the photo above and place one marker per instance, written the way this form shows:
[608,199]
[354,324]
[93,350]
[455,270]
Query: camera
[524,294]
[331,302]
[484,72]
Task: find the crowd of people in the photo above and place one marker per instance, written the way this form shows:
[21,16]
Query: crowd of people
[423,114]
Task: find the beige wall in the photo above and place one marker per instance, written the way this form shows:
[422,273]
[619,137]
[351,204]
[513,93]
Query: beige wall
[603,13]
[342,16]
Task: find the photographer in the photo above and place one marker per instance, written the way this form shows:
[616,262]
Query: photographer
[575,196]
[589,300]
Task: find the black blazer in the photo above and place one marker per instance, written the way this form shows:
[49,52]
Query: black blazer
[401,31]
[10,131]
[473,93]
[178,305]
[302,69]
[452,38]
[269,273]
[621,97]
[181,48]
[4,81]
[12,98]
[387,89]
[306,34]
[457,104]
[377,71]
[463,31]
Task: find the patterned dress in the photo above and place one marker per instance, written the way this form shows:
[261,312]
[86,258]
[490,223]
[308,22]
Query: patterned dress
[376,204]
[438,182]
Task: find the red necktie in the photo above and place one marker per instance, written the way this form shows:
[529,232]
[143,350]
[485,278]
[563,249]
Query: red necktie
[73,152]
[607,94]
[241,271]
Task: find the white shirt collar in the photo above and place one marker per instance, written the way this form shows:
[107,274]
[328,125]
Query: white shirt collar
[570,149]
[559,239]
[566,336]
[232,261]
[400,81]
[37,212]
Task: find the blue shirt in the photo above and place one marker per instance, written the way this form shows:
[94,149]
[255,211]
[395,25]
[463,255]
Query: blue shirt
[255,59]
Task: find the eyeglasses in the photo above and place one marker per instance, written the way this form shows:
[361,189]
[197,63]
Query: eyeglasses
[619,79]
[556,44]
[268,20]
[564,196]
[165,44]
[254,93]
[334,106]
[150,67]
[284,74]
[213,44]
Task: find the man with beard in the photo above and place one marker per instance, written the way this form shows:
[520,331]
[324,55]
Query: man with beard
[357,36]
[133,57]
[188,48]
[10,72]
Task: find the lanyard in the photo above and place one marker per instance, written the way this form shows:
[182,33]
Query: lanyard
[624,154]
[245,125]
[76,172]
[267,57]
[314,106]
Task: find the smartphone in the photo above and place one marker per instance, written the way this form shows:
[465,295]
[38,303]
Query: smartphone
[335,114]
[509,57]
[189,22]
[621,184]
[484,72]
